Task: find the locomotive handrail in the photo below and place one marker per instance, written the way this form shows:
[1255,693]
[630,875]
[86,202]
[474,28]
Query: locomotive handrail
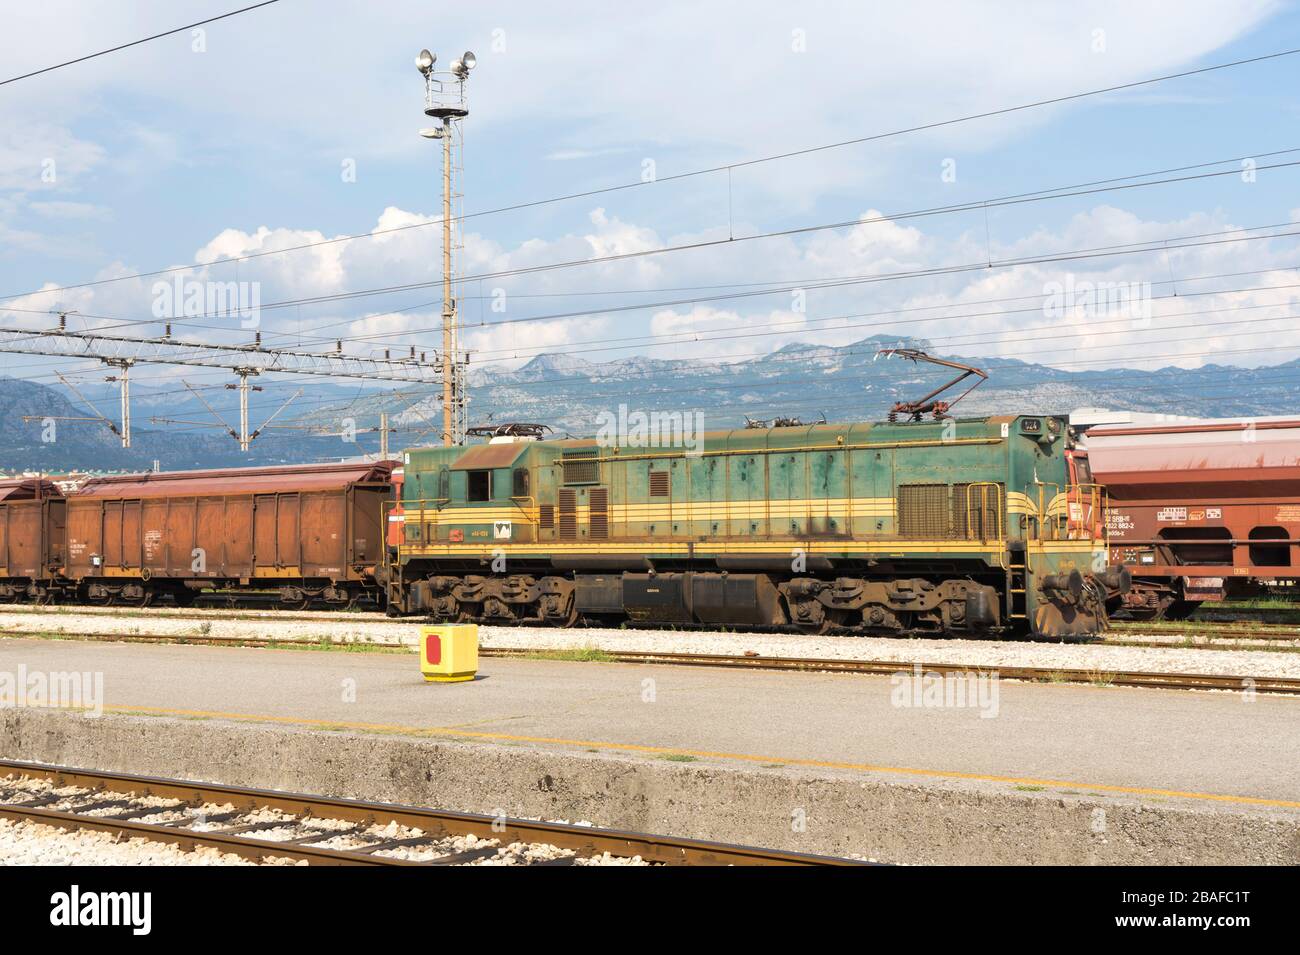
[999,505]
[1086,526]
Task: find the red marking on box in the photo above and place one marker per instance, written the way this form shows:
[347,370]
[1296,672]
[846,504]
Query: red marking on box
[433,649]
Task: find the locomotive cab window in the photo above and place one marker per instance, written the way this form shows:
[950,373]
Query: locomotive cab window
[480,486]
[521,482]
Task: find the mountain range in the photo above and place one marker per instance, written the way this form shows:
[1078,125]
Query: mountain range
[568,392]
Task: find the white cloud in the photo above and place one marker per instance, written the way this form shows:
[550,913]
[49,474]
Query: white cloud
[981,313]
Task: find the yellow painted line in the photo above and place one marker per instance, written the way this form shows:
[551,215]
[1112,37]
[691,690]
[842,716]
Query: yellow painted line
[708,754]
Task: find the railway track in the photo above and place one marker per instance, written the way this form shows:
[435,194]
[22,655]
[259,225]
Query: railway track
[1235,631]
[1238,630]
[1136,678]
[1182,681]
[265,825]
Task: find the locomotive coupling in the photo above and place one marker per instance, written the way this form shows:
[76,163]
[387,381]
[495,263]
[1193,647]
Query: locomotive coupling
[1116,579]
[1063,585]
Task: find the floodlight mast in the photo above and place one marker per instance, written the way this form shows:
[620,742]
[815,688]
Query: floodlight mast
[444,100]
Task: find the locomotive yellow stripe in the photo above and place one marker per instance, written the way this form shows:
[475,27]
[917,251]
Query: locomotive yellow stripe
[644,546]
[841,509]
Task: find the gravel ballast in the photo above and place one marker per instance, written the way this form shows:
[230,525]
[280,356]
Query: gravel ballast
[26,843]
[375,629]
[32,843]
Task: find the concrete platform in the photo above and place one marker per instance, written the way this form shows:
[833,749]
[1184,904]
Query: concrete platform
[815,762]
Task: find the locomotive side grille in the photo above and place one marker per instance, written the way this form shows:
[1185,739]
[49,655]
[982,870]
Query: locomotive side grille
[568,514]
[598,501]
[580,467]
[546,517]
[658,483]
[923,511]
[950,512]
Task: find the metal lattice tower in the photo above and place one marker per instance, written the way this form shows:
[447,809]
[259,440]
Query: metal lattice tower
[122,353]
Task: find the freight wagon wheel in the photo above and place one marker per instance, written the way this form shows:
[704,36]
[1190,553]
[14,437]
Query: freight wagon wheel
[185,598]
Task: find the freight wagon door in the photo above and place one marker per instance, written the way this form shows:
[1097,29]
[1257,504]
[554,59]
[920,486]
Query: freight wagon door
[324,524]
[277,547]
[121,545]
[155,532]
[56,524]
[132,541]
[288,542]
[24,554]
[264,534]
[368,523]
[236,551]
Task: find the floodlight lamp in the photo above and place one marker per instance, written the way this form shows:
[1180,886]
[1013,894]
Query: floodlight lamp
[424,62]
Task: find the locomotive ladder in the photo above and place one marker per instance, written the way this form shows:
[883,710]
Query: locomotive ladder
[1018,573]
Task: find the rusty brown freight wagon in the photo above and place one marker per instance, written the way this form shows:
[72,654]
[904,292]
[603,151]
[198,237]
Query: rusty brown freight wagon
[308,532]
[1201,509]
[31,539]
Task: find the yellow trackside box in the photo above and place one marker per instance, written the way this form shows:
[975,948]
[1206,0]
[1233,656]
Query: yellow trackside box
[449,652]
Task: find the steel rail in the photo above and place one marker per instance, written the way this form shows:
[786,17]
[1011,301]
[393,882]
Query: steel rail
[1226,629]
[1136,678]
[1182,681]
[435,823]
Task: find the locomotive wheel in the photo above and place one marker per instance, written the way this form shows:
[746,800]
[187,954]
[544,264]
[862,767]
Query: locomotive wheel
[831,621]
[565,620]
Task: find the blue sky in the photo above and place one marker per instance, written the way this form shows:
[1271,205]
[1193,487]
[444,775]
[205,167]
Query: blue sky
[169,156]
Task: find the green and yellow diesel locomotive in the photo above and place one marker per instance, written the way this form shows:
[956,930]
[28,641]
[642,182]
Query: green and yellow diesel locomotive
[963,526]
